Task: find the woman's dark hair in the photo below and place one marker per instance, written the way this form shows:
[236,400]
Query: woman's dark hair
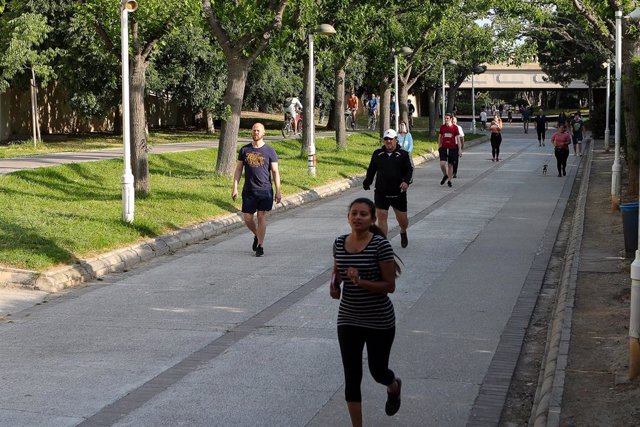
[375,229]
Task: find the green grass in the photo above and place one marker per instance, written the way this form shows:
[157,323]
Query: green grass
[57,215]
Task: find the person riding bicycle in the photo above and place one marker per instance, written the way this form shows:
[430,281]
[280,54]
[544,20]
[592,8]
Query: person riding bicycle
[352,104]
[293,106]
[372,108]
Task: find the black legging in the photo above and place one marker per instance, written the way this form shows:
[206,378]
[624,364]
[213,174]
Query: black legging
[352,340]
[561,160]
[496,140]
[540,134]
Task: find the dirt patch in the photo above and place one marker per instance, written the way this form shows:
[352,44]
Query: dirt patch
[599,340]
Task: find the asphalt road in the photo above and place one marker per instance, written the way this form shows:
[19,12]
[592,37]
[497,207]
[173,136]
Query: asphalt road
[213,336]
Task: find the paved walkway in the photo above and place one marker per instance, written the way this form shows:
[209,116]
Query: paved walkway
[214,336]
[46,160]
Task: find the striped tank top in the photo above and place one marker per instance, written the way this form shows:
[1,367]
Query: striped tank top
[358,306]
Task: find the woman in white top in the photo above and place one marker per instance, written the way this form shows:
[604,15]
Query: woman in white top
[405,140]
[460,146]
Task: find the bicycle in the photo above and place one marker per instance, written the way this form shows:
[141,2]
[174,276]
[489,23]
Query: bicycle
[350,119]
[288,125]
[372,121]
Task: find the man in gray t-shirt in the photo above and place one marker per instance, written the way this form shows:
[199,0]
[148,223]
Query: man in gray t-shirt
[260,164]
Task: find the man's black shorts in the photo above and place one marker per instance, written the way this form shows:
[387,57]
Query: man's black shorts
[449,155]
[384,202]
[257,200]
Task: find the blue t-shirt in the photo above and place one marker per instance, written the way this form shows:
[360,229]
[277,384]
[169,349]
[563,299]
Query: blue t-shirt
[373,104]
[257,166]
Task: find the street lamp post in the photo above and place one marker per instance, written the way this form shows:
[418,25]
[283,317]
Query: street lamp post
[634,318]
[404,51]
[606,129]
[451,62]
[322,29]
[616,169]
[128,194]
[478,69]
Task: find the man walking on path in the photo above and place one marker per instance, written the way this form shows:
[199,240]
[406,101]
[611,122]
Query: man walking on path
[576,134]
[391,166]
[260,163]
[448,139]
[526,117]
[541,127]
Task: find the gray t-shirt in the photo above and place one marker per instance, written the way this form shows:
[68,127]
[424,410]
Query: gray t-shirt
[257,166]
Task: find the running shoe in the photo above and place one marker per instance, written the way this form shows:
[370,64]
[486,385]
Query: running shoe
[254,246]
[259,251]
[444,179]
[393,400]
[404,241]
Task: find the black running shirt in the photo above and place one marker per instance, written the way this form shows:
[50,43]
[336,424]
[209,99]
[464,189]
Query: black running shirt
[358,306]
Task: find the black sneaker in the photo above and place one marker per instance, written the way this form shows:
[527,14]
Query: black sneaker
[259,251]
[254,246]
[449,184]
[404,241]
[444,179]
[393,400]
[564,172]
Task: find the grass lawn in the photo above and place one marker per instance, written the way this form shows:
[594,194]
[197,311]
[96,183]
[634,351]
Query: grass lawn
[58,215]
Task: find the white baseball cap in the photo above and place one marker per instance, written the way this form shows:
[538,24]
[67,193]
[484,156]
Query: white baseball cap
[390,133]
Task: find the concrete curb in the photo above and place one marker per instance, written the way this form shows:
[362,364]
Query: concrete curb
[119,260]
[548,398]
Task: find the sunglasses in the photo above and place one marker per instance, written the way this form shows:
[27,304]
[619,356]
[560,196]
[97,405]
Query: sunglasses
[388,139]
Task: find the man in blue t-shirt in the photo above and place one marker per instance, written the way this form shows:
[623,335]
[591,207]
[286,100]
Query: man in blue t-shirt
[260,164]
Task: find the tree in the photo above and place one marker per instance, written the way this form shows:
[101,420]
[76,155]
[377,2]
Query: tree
[149,25]
[22,52]
[190,69]
[243,31]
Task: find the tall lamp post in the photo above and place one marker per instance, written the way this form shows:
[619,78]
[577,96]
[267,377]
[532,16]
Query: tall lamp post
[607,135]
[128,194]
[322,29]
[634,321]
[450,62]
[478,69]
[404,51]
[616,169]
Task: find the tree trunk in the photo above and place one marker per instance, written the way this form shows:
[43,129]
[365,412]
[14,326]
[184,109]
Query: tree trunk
[557,99]
[432,95]
[385,106]
[451,97]
[339,119]
[233,95]
[403,96]
[631,111]
[208,117]
[139,161]
[331,117]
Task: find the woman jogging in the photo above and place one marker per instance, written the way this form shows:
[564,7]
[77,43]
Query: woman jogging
[496,138]
[561,141]
[364,263]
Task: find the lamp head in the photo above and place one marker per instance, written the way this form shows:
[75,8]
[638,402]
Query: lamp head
[450,62]
[325,29]
[479,69]
[635,15]
[405,51]
[129,5]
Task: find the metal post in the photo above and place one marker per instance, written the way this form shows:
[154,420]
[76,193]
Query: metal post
[473,104]
[397,107]
[606,129]
[443,101]
[311,158]
[616,169]
[634,318]
[128,194]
